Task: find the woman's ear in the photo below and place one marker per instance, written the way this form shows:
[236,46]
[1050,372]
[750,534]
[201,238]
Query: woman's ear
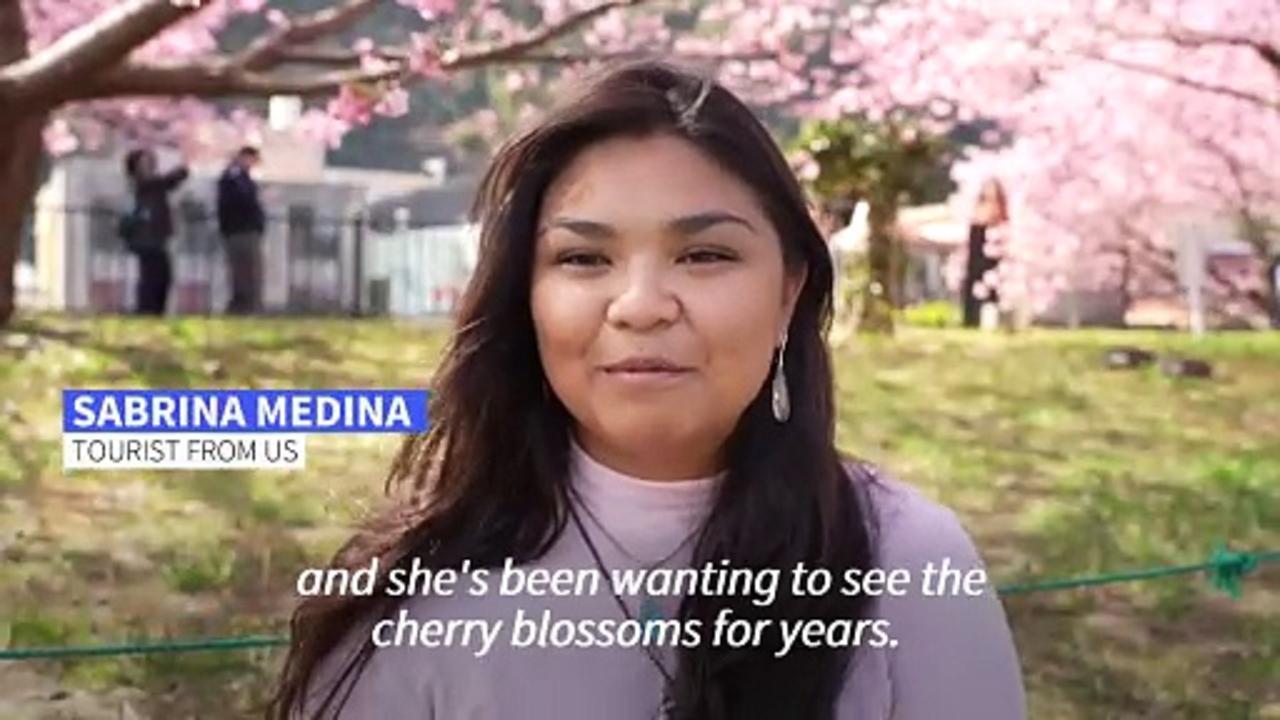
[792,283]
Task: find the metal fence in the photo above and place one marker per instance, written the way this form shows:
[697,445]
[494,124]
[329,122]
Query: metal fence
[312,263]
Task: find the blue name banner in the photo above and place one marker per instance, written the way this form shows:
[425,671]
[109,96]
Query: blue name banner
[244,411]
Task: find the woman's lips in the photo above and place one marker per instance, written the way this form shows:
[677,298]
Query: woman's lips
[645,365]
[646,370]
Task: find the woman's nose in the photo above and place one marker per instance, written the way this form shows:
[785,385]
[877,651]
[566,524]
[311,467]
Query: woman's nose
[644,298]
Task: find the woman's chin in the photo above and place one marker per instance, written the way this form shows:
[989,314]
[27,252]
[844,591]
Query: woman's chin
[651,432]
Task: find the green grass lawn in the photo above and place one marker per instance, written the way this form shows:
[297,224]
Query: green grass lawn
[1057,466]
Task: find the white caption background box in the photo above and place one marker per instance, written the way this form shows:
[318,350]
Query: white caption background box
[184,451]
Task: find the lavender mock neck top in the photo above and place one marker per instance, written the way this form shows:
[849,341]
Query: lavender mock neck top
[954,657]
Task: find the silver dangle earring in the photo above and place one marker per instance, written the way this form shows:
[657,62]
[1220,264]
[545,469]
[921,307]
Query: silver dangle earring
[781,397]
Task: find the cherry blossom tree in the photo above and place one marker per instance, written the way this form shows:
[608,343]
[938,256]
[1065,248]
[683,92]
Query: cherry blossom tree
[71,71]
[1116,118]
[1123,115]
[1114,115]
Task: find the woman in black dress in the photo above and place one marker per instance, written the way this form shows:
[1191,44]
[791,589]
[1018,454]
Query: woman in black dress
[990,211]
[149,238]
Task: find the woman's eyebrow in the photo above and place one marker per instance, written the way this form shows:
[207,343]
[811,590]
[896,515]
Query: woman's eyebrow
[697,222]
[586,228]
[684,225]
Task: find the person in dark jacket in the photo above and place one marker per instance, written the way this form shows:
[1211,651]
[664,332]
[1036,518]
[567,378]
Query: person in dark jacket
[241,222]
[150,238]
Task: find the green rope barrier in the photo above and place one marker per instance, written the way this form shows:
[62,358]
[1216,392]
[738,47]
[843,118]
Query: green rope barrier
[144,648]
[1226,568]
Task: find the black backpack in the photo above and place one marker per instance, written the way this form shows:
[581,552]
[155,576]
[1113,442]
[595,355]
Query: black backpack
[132,227]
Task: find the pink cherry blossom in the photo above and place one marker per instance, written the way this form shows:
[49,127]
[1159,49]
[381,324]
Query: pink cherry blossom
[1116,119]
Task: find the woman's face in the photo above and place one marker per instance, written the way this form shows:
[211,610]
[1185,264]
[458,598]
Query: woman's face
[659,296]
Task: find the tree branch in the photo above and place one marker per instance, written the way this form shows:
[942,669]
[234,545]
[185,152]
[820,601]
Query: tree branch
[223,77]
[453,59]
[337,56]
[100,43]
[571,58]
[1184,38]
[266,52]
[1186,81]
[344,58]
[1243,198]
[212,80]
[1270,54]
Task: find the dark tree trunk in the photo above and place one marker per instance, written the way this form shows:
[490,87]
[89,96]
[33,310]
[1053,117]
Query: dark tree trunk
[21,148]
[1272,286]
[20,153]
[1126,277]
[878,296]
[1261,236]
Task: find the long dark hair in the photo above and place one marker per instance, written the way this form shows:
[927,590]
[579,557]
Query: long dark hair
[490,479]
[133,164]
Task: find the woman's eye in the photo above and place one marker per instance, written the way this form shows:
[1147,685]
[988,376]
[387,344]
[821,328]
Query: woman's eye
[582,259]
[700,257]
